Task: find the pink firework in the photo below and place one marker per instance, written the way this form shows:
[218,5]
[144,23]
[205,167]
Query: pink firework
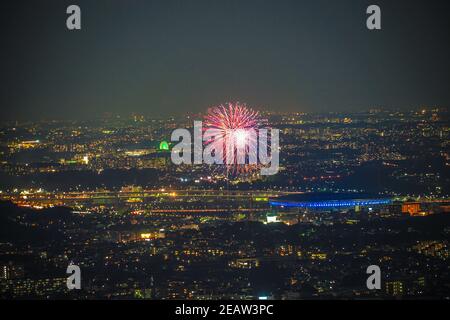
[236,125]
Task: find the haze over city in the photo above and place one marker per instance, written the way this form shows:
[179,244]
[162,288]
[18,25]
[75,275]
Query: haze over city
[173,57]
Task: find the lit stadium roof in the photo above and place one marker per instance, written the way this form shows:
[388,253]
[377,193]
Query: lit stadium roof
[328,200]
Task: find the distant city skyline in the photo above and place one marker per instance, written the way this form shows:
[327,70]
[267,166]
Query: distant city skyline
[352,193]
[174,58]
[224,152]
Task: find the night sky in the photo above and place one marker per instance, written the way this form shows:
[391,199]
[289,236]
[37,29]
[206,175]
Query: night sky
[173,57]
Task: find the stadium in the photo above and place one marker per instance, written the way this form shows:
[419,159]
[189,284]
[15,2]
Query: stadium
[328,200]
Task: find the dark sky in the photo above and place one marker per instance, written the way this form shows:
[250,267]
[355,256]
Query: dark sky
[173,57]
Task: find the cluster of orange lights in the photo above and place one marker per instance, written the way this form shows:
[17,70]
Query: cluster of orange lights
[413,209]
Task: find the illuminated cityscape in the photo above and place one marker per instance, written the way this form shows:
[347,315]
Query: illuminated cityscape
[106,196]
[224,157]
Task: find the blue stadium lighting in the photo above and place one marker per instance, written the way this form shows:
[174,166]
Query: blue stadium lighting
[331,203]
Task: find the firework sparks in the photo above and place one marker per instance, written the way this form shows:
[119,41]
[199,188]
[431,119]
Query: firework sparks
[236,127]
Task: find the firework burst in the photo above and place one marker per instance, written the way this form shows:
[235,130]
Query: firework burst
[235,125]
